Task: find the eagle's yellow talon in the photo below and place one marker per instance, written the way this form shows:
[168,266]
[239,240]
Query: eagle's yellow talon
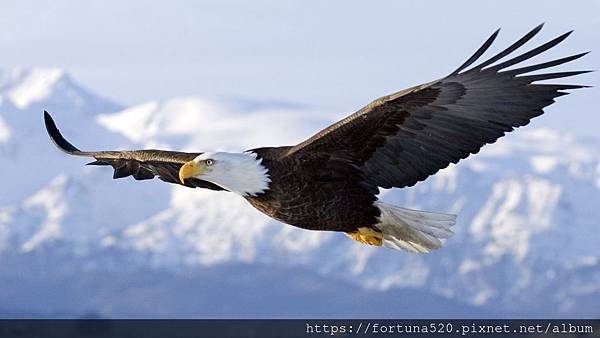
[367,236]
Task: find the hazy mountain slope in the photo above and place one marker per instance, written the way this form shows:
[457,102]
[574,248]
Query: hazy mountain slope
[526,240]
[28,160]
[230,290]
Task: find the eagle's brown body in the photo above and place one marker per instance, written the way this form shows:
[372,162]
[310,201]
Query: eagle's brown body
[300,185]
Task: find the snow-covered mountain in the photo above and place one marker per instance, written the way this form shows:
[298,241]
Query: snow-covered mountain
[526,240]
[24,149]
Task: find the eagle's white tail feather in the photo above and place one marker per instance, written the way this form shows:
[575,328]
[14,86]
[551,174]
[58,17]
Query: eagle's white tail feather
[413,230]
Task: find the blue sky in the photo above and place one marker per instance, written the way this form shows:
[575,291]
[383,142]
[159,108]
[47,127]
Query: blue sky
[332,55]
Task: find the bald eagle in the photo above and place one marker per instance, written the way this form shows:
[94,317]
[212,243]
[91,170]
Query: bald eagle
[331,180]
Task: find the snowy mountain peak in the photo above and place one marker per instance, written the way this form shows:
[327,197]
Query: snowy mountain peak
[24,95]
[195,123]
[23,87]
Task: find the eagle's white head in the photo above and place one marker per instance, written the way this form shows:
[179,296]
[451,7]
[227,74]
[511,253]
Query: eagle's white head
[241,173]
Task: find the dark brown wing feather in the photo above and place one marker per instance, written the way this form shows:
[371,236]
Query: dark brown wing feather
[140,164]
[403,138]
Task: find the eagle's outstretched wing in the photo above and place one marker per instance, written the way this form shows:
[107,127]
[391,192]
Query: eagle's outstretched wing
[401,139]
[141,164]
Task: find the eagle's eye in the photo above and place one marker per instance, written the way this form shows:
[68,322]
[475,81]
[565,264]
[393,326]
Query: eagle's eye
[209,162]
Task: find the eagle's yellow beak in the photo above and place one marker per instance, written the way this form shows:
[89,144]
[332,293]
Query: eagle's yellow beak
[189,169]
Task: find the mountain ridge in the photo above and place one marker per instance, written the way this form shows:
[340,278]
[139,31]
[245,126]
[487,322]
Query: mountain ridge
[519,201]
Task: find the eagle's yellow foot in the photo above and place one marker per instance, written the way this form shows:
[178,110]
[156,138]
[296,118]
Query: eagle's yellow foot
[367,236]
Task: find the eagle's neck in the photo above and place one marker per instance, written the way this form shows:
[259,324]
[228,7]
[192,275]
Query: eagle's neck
[241,173]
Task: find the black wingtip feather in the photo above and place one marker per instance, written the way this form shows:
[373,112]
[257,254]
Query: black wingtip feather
[98,162]
[550,76]
[544,65]
[511,48]
[531,53]
[478,53]
[57,137]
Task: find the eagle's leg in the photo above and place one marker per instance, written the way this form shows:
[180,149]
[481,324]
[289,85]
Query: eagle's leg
[367,235]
